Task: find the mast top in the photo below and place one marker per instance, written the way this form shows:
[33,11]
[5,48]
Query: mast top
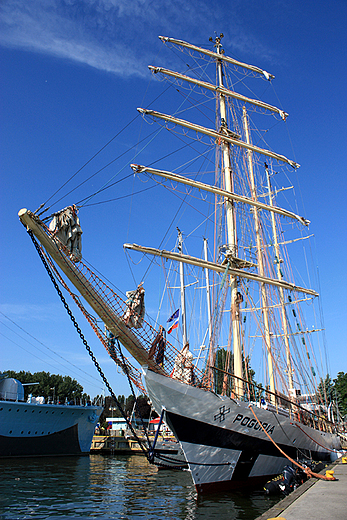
[218,43]
[217,56]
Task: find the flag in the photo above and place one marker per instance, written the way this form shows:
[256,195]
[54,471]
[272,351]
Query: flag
[174,319]
[173,326]
[174,316]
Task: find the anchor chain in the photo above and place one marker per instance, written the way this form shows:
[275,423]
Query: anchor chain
[99,369]
[84,341]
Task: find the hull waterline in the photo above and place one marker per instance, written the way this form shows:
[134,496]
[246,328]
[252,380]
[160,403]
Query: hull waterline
[223,443]
[31,430]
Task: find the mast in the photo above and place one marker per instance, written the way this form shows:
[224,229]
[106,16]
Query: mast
[229,136]
[207,277]
[183,296]
[219,268]
[264,299]
[222,90]
[218,56]
[138,168]
[281,291]
[231,236]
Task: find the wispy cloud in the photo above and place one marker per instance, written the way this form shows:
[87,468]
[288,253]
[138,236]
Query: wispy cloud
[51,312]
[74,30]
[111,35]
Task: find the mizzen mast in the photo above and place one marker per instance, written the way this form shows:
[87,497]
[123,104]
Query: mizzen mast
[281,291]
[182,288]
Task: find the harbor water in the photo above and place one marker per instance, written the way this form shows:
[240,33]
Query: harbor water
[115,487]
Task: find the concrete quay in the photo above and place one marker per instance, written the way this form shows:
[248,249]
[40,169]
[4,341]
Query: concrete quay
[315,499]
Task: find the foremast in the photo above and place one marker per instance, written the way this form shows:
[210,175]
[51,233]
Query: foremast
[232,250]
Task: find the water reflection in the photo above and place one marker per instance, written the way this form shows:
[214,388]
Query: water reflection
[121,487]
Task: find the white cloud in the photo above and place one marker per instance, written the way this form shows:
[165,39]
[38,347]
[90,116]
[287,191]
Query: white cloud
[51,312]
[51,28]
[115,35]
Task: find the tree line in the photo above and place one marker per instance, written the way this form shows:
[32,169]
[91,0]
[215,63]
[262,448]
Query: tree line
[50,386]
[334,391]
[142,408]
[57,387]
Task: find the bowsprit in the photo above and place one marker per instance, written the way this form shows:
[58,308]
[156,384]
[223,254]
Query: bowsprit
[252,423]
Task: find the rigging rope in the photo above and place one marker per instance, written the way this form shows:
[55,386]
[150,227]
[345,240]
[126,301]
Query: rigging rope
[303,431]
[99,369]
[126,370]
[89,160]
[84,341]
[306,470]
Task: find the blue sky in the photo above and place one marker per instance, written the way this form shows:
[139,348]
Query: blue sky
[73,73]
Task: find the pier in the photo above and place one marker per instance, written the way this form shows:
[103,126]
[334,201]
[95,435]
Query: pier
[110,444]
[315,499]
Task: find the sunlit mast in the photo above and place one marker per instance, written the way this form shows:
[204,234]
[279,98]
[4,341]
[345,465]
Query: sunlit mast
[231,235]
[183,296]
[207,278]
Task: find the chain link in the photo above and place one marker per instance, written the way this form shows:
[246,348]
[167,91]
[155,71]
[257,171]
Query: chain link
[99,369]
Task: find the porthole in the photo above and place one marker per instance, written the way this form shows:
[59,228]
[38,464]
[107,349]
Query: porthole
[29,433]
[10,431]
[9,409]
[17,409]
[22,432]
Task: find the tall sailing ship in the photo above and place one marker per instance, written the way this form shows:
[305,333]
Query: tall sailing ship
[236,371]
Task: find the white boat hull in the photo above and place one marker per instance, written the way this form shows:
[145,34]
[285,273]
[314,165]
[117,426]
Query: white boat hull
[223,443]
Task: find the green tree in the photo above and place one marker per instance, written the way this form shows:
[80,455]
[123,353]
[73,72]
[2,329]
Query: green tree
[111,409]
[50,385]
[340,387]
[224,363]
[143,408]
[325,391]
[129,405]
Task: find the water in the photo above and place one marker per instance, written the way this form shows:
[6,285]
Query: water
[119,487]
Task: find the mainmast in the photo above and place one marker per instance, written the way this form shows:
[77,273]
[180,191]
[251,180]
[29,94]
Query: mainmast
[231,234]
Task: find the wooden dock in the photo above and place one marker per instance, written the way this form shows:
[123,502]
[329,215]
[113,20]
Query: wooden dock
[315,499]
[111,444]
